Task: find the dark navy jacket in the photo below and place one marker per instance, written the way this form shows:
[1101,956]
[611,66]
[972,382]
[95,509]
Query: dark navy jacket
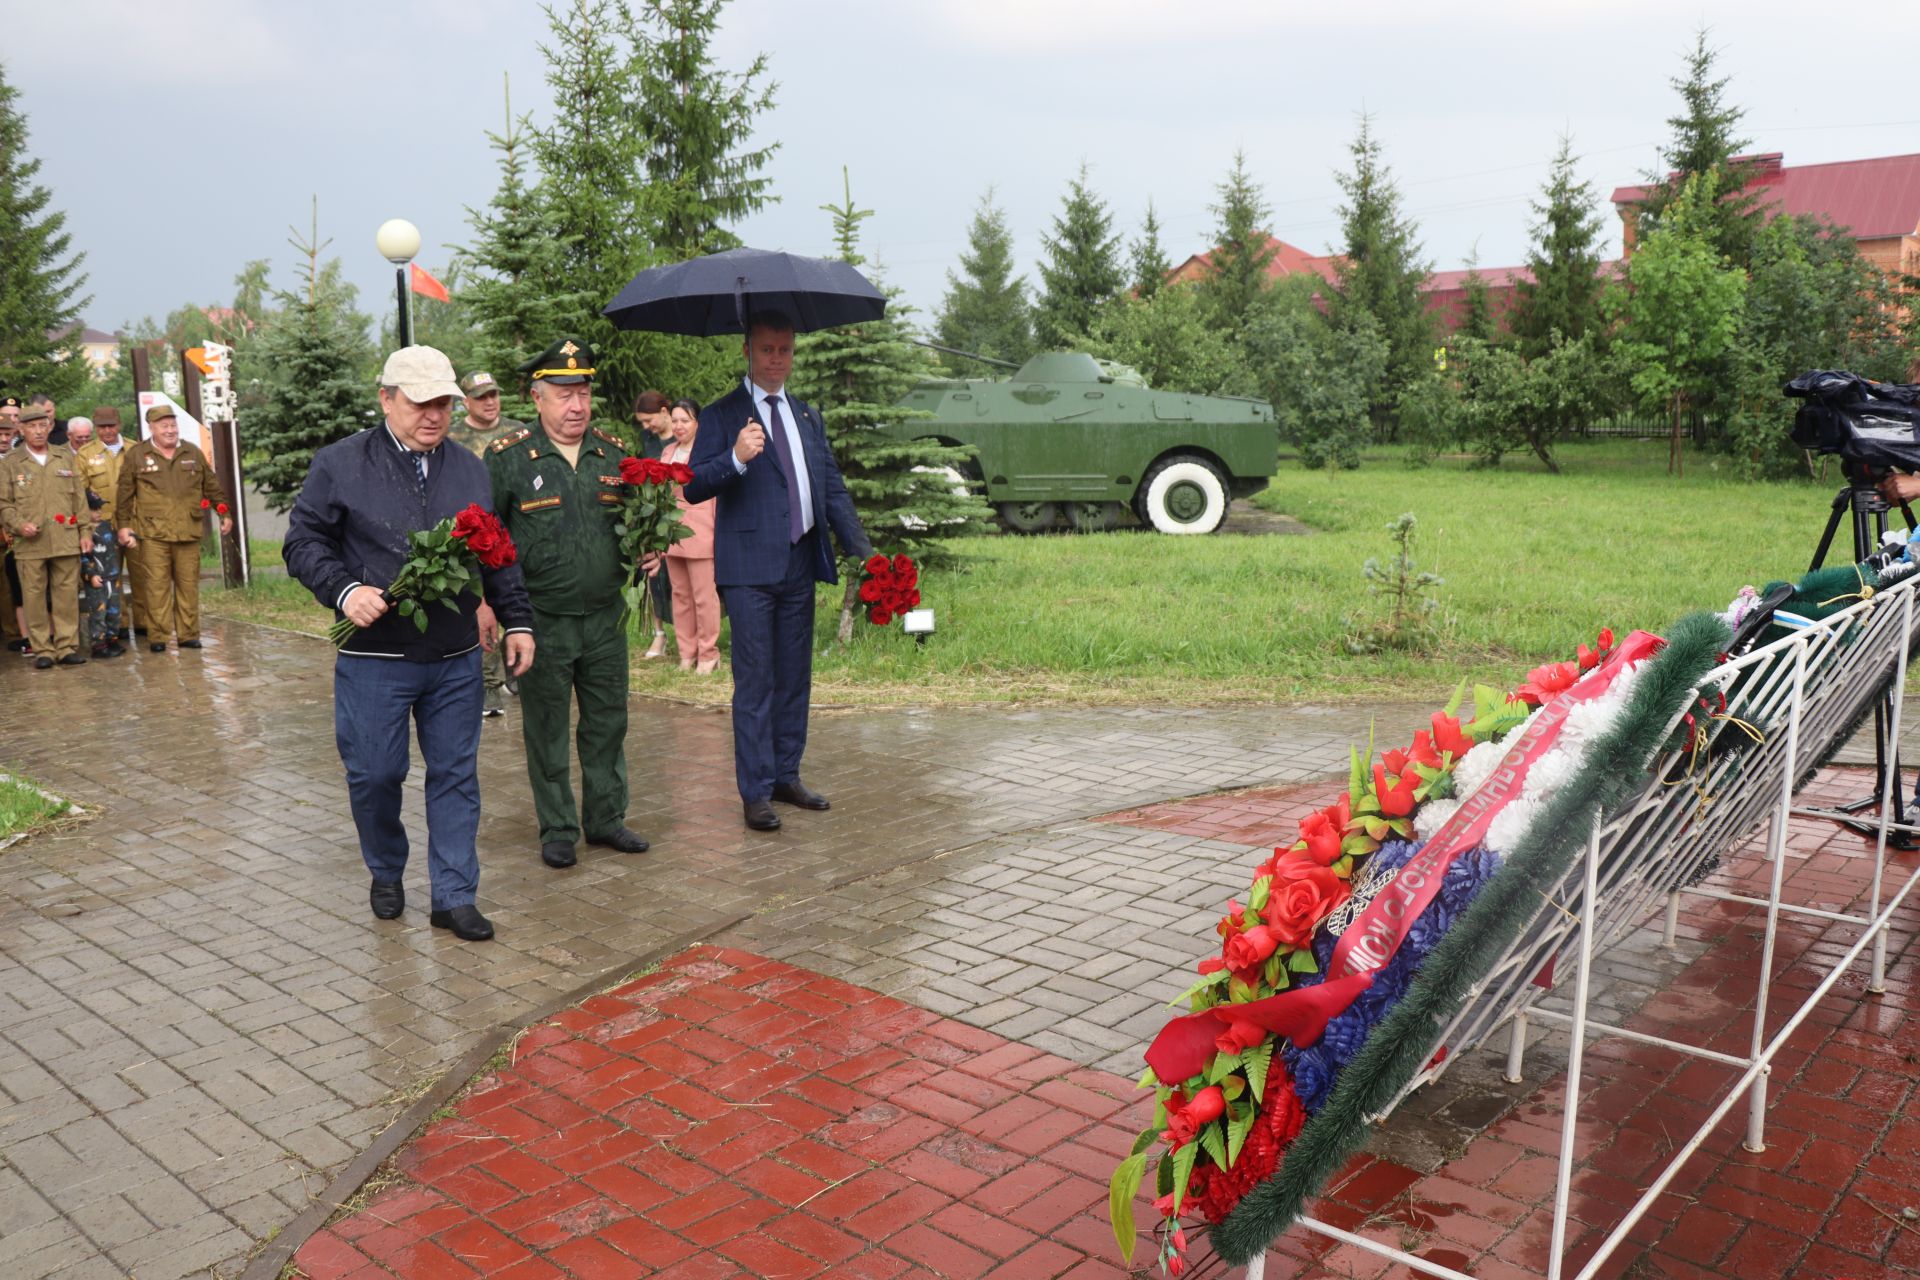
[349,528]
[750,546]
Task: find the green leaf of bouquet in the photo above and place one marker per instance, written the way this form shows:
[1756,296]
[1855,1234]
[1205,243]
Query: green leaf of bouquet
[1453,703]
[1145,1140]
[1163,1176]
[452,602]
[1222,1066]
[1302,961]
[1120,1193]
[1213,979]
[1356,776]
[1257,898]
[1147,1079]
[1239,1125]
[1258,1059]
[420,619]
[1233,1086]
[1214,1139]
[1182,1174]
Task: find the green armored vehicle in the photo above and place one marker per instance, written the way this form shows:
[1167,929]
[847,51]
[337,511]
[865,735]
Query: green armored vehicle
[1070,437]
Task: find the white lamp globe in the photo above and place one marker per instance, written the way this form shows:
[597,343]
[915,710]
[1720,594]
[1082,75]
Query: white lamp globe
[398,240]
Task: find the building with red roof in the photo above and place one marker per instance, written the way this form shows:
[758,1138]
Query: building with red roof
[1877,200]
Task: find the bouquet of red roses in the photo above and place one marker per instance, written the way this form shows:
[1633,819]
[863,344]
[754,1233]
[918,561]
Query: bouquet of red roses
[446,561]
[649,519]
[891,587]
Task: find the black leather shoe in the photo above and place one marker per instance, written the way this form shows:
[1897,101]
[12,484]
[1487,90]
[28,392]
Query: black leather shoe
[798,793]
[73,660]
[761,817]
[557,853]
[466,922]
[43,663]
[157,648]
[140,631]
[189,644]
[387,900]
[16,646]
[620,839]
[115,649]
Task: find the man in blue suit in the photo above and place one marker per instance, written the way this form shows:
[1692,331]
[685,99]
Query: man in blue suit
[778,491]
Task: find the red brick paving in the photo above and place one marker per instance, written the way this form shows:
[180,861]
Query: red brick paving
[732,1116]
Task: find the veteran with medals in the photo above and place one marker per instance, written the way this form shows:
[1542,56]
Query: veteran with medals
[557,486]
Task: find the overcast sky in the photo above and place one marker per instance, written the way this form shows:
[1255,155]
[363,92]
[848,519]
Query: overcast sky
[182,140]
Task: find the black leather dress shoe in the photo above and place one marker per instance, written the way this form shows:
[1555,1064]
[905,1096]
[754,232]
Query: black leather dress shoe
[620,839]
[157,648]
[798,793]
[466,922]
[43,663]
[557,853]
[73,660]
[761,817]
[140,631]
[189,644]
[387,900]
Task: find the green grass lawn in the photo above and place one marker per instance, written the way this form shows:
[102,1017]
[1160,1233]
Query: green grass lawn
[23,808]
[1534,563]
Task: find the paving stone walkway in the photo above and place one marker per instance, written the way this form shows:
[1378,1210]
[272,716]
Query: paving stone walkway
[200,1023]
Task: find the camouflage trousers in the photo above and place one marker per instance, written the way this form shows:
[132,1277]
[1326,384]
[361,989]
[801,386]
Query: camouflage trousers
[100,606]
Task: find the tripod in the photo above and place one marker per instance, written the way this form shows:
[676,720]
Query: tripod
[1861,496]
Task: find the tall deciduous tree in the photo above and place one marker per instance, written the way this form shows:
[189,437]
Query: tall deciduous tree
[1147,257]
[1564,295]
[1380,272]
[40,276]
[1682,309]
[1236,278]
[986,310]
[1079,268]
[1170,338]
[909,493]
[316,391]
[1706,140]
[518,293]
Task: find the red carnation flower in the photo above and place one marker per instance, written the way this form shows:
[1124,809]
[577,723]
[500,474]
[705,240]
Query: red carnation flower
[220,508]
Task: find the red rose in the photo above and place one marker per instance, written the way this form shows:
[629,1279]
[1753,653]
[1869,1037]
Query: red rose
[469,522]
[659,472]
[1544,682]
[1302,895]
[220,508]
[877,564]
[1320,838]
[485,536]
[204,504]
[682,473]
[633,471]
[879,617]
[1245,950]
[1239,1037]
[902,564]
[870,591]
[1396,801]
[913,599]
[1185,1120]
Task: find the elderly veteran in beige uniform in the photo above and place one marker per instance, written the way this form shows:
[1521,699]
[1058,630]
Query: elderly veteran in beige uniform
[43,506]
[166,488]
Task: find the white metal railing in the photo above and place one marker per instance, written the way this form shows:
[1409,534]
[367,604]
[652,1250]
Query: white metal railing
[1800,695]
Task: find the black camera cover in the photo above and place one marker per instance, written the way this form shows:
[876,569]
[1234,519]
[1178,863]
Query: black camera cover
[1875,424]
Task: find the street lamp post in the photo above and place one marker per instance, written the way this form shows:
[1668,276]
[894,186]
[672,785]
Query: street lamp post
[398,240]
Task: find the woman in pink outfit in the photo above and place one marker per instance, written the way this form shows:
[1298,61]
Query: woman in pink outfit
[696,601]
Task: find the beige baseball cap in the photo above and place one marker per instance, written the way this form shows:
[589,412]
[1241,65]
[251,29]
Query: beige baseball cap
[421,374]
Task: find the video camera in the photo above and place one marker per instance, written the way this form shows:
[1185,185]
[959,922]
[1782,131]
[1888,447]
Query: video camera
[1874,427]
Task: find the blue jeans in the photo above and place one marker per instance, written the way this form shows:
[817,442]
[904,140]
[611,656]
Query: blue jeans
[373,699]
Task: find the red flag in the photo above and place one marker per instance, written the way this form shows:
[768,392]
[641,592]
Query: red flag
[423,283]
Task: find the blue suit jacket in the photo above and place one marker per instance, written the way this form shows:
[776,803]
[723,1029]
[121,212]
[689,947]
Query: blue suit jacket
[750,546]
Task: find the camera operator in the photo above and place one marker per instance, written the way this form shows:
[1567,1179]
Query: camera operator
[1899,488]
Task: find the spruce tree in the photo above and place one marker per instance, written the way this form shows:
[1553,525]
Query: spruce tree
[1080,268]
[985,310]
[698,120]
[1148,258]
[1706,139]
[1476,312]
[1564,295]
[518,294]
[1380,272]
[906,491]
[40,278]
[1236,280]
[311,358]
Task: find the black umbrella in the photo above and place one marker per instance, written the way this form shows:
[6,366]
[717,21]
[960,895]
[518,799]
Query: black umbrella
[715,294]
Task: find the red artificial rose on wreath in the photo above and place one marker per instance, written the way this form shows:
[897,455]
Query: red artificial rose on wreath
[1185,1120]
[1320,837]
[1239,1037]
[633,471]
[1245,950]
[1396,801]
[1448,735]
[1303,894]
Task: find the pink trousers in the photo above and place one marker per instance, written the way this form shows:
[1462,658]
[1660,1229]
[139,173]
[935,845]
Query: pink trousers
[696,610]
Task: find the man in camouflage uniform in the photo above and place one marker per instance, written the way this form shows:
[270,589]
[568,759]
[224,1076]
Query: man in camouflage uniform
[100,465]
[43,507]
[557,486]
[482,426]
[166,488]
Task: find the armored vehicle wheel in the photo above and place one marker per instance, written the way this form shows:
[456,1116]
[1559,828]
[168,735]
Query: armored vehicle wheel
[1028,517]
[1183,494]
[1093,517]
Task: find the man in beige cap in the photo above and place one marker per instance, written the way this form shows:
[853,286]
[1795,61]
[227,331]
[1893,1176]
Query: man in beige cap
[482,426]
[43,507]
[347,537]
[160,504]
